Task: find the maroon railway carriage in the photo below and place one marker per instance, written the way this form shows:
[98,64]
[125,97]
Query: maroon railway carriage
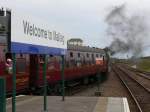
[78,68]
[80,65]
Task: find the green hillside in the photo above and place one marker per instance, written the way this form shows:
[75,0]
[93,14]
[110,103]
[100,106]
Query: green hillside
[144,64]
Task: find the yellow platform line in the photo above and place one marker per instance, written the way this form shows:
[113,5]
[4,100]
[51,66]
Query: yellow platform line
[101,105]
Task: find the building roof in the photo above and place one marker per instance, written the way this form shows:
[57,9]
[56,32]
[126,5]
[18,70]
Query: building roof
[75,39]
[85,49]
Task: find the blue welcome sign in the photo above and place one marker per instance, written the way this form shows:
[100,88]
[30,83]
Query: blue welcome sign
[32,36]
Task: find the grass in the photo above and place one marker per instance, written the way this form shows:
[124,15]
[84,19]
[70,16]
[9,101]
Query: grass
[144,65]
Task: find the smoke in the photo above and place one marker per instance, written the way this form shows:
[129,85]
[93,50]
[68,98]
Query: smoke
[118,46]
[127,31]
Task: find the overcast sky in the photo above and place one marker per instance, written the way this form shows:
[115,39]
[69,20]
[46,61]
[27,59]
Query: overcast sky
[78,18]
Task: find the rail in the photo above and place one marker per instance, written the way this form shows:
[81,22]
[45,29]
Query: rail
[134,91]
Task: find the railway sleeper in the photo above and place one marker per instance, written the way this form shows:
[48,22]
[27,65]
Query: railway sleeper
[143,99]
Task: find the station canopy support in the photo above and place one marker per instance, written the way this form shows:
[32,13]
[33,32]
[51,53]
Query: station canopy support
[2,95]
[63,77]
[14,84]
[45,83]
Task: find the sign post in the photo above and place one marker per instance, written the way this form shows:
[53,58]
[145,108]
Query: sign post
[63,77]
[2,95]
[14,84]
[45,83]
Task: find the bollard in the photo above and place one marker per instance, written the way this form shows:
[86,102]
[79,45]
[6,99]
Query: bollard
[2,95]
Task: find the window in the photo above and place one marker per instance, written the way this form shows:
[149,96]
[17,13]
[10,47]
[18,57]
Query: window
[21,65]
[71,54]
[78,55]
[97,55]
[92,55]
[51,56]
[87,55]
[41,59]
[21,55]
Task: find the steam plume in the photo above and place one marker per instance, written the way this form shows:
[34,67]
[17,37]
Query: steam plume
[128,32]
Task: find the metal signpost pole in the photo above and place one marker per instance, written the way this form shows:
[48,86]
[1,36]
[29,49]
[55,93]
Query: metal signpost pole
[45,83]
[14,84]
[2,95]
[63,77]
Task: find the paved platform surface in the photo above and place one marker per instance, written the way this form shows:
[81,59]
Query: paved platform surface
[71,104]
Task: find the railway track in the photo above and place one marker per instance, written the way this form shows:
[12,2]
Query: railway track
[147,74]
[143,79]
[138,91]
[143,74]
[83,90]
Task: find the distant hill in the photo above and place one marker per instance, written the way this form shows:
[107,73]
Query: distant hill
[147,57]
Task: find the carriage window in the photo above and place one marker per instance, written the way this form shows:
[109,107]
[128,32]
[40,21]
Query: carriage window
[92,55]
[21,55]
[51,56]
[71,54]
[78,55]
[21,65]
[41,57]
[87,54]
[97,55]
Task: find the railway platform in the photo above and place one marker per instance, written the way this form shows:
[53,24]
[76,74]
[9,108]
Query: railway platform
[71,104]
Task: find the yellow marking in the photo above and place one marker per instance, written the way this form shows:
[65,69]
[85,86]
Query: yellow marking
[101,105]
